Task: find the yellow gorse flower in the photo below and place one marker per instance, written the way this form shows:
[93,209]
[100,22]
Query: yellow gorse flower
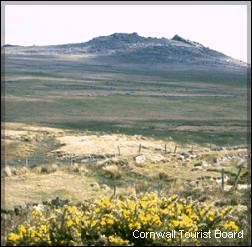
[102,219]
[36,213]
[117,241]
[211,215]
[231,225]
[70,223]
[13,237]
[72,210]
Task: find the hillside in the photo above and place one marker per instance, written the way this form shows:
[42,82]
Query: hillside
[132,48]
[165,88]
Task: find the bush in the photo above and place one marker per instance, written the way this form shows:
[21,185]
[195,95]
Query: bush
[112,222]
[111,171]
[47,169]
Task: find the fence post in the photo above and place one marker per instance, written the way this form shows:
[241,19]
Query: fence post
[158,188]
[135,190]
[237,178]
[119,151]
[139,150]
[175,149]
[114,192]
[222,179]
[165,148]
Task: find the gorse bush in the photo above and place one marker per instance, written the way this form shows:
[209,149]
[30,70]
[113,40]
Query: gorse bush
[113,221]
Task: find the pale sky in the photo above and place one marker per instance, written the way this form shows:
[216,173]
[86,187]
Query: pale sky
[219,27]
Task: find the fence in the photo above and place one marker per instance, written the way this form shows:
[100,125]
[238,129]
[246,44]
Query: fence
[43,160]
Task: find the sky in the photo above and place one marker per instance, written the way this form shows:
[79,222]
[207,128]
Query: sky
[219,27]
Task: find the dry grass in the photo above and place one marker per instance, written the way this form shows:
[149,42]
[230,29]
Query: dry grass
[85,180]
[7,171]
[79,169]
[152,149]
[22,140]
[40,187]
[12,171]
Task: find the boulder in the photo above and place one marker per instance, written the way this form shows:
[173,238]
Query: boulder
[185,155]
[196,169]
[140,159]
[181,157]
[198,164]
[105,187]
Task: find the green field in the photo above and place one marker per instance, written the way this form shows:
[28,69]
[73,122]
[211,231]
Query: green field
[187,104]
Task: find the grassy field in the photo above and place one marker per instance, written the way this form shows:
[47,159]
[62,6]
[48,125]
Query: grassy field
[88,167]
[97,166]
[65,118]
[186,104]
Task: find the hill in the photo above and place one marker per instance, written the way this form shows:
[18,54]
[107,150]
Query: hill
[165,88]
[132,48]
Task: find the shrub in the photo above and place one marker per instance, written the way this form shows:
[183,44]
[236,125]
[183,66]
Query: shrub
[47,169]
[111,171]
[112,222]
